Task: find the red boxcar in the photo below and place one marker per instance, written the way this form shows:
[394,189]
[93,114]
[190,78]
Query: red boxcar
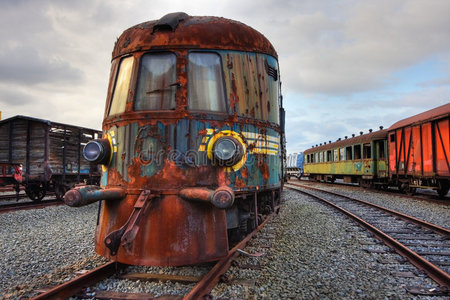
[419,151]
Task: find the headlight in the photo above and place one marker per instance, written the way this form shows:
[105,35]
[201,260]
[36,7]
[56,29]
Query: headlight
[97,151]
[227,151]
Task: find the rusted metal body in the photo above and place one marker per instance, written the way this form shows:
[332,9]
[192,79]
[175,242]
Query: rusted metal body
[419,150]
[194,120]
[357,159]
[412,153]
[48,153]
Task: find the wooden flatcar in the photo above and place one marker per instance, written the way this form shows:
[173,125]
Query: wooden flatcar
[48,154]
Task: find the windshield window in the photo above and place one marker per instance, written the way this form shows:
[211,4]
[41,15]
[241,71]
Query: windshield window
[121,86]
[157,86]
[205,90]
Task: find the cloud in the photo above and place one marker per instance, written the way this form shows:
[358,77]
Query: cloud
[24,65]
[363,47]
[342,62]
[14,98]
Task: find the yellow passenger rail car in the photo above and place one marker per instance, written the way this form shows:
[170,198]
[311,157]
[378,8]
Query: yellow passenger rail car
[359,159]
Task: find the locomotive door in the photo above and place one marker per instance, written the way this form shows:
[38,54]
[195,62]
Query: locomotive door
[380,159]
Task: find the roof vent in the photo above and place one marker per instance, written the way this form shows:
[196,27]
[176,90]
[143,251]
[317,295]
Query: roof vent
[329,142]
[324,143]
[370,130]
[353,135]
[170,21]
[381,127]
[345,137]
[360,133]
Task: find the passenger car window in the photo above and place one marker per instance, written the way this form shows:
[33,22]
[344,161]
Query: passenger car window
[157,86]
[121,86]
[205,88]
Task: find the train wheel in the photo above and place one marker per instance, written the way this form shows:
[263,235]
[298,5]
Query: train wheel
[36,192]
[443,188]
[384,187]
[60,191]
[410,191]
[365,183]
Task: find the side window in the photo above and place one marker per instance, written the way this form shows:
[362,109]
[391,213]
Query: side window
[341,154]
[357,151]
[392,137]
[335,155]
[271,67]
[205,88]
[348,153]
[367,151]
[121,86]
[156,86]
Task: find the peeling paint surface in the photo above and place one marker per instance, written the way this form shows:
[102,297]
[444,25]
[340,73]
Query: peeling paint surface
[167,150]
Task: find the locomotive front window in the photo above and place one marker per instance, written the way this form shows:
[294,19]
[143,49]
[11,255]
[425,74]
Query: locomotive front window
[205,88]
[157,86]
[121,86]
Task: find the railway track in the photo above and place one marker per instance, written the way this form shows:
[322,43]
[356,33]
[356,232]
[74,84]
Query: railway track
[81,286]
[4,208]
[7,197]
[425,245]
[432,198]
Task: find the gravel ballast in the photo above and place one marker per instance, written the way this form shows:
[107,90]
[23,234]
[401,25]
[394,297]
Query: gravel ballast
[319,254]
[311,252]
[37,245]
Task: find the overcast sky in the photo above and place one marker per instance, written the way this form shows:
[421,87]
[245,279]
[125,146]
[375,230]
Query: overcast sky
[346,66]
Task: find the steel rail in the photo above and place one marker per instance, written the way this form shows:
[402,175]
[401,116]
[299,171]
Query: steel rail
[71,287]
[435,228]
[428,197]
[210,280]
[6,197]
[28,205]
[435,273]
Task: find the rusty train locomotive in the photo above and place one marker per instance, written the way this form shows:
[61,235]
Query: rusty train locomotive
[412,153]
[193,147]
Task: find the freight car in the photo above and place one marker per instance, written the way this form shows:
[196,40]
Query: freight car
[193,146]
[419,151]
[412,153]
[294,165]
[45,156]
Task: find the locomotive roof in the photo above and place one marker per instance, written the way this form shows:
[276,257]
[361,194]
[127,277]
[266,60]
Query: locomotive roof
[179,30]
[365,138]
[429,115]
